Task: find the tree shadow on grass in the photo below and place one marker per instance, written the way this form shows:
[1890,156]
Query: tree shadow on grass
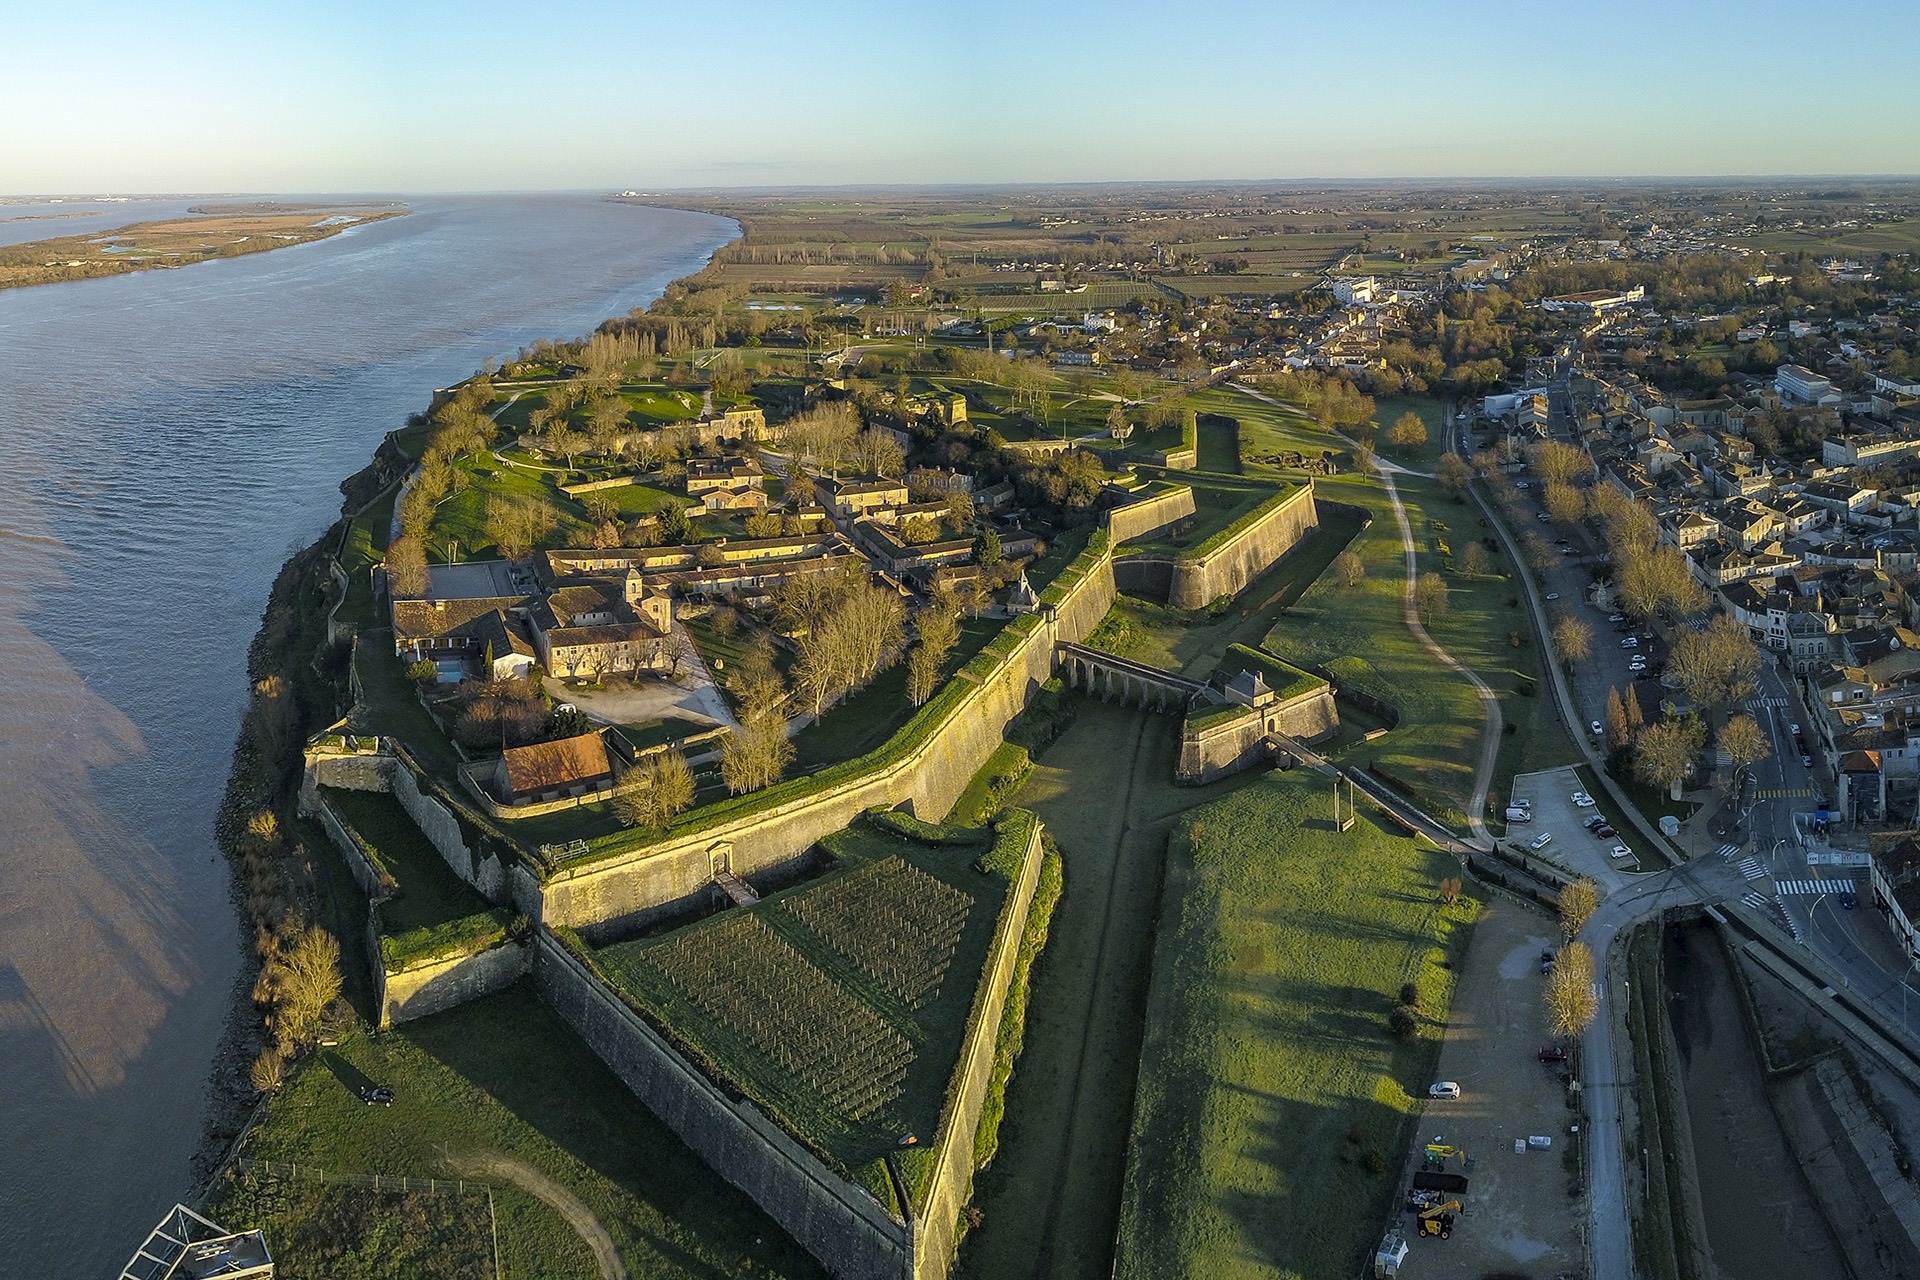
[516,1050]
[356,1080]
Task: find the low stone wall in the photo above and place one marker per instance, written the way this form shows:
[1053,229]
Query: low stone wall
[1149,515]
[1200,580]
[1229,746]
[593,486]
[936,1234]
[834,1220]
[620,891]
[437,985]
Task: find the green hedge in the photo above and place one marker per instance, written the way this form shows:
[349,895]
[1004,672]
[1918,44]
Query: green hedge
[465,935]
[1013,1015]
[903,824]
[1217,716]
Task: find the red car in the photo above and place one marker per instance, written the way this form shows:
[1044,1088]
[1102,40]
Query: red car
[1553,1053]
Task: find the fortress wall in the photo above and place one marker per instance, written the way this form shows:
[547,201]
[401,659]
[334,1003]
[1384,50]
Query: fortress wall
[1221,749]
[1149,515]
[936,1231]
[1226,570]
[437,985]
[619,892]
[835,1221]
[1144,575]
[444,833]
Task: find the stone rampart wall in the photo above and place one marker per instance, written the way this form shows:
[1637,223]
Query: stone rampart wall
[1144,575]
[936,1230]
[1232,745]
[618,892]
[1224,571]
[1149,515]
[443,831]
[437,985]
[835,1221]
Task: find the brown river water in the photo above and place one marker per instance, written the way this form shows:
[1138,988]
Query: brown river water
[168,436]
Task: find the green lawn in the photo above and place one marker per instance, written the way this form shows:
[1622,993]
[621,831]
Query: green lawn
[1217,503]
[460,518]
[363,547]
[429,894]
[502,1076]
[1274,1104]
[391,707]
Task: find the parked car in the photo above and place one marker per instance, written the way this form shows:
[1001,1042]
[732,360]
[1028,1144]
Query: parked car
[1631,642]
[1847,901]
[1605,831]
[1540,841]
[1553,1053]
[1806,761]
[1543,518]
[1581,800]
[1519,802]
[1517,814]
[1794,729]
[1553,595]
[377,1095]
[1546,962]
[1593,726]
[1595,821]
[1616,617]
[1444,1089]
[1619,851]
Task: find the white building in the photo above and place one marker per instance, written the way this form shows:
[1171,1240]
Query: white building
[1802,385]
[1353,290]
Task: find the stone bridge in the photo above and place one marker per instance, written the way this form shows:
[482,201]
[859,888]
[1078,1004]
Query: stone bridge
[1114,679]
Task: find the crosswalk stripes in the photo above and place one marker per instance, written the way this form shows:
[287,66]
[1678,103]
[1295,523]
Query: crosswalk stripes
[1810,888]
[1751,869]
[1782,793]
[1761,704]
[1727,850]
[1793,926]
[1755,900]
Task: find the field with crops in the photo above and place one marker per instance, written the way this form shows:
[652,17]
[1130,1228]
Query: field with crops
[838,1004]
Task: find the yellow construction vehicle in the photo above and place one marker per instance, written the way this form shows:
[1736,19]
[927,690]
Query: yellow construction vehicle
[1439,1220]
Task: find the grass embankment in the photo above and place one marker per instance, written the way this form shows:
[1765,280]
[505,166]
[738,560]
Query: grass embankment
[868,718]
[839,1005]
[1273,1101]
[1051,1197]
[502,1076]
[432,911]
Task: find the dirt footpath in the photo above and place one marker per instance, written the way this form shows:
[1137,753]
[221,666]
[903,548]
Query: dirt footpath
[1517,1219]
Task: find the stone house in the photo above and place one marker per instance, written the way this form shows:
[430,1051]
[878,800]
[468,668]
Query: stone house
[548,771]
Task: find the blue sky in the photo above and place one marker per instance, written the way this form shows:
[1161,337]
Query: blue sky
[482,96]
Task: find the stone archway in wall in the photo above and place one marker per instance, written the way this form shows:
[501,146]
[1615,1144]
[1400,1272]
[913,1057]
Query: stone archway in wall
[720,859]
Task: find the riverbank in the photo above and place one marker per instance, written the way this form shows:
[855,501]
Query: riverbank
[177,242]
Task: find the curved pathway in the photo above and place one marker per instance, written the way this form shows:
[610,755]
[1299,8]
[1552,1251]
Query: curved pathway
[492,1164]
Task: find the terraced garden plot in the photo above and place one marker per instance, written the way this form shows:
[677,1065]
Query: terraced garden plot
[838,1005]
[912,958]
[754,984]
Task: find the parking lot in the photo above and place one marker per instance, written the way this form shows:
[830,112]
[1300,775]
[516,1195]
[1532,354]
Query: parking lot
[1516,1216]
[1573,848]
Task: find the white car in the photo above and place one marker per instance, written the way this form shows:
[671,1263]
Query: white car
[1444,1089]
[1520,804]
[1582,800]
[1616,617]
[1553,595]
[1540,841]
[1636,666]
[1594,726]
[1631,642]
[1620,851]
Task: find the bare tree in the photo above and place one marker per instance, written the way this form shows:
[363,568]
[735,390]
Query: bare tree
[1745,745]
[1473,560]
[406,563]
[1716,665]
[306,979]
[1663,754]
[1578,902]
[1452,474]
[1572,640]
[1409,431]
[755,754]
[1571,1001]
[1430,599]
[1556,462]
[656,790]
[939,630]
[1349,569]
